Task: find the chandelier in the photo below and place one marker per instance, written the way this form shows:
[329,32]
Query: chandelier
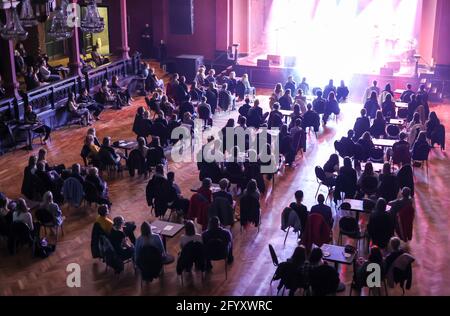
[27,17]
[92,21]
[13,29]
[59,30]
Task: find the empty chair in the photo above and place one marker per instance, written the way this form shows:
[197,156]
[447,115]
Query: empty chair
[290,219]
[317,232]
[323,180]
[217,250]
[392,131]
[376,155]
[348,226]
[275,261]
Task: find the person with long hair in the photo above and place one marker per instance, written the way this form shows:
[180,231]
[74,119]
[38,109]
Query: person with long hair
[52,208]
[22,214]
[190,235]
[380,227]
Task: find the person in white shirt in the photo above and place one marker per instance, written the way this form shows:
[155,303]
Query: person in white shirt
[22,214]
[370,89]
[190,235]
[46,74]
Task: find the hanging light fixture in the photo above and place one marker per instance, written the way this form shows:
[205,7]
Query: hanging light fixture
[27,17]
[13,29]
[43,9]
[59,30]
[92,21]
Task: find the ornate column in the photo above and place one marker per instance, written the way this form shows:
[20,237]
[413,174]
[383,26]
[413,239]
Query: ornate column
[7,64]
[124,48]
[74,47]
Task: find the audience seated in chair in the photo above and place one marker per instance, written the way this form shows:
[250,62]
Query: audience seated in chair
[214,234]
[380,227]
[30,118]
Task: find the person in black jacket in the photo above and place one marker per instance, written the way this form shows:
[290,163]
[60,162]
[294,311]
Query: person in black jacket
[120,242]
[362,125]
[225,98]
[212,97]
[255,117]
[107,152]
[300,209]
[245,108]
[342,92]
[215,232]
[346,181]
[380,227]
[378,127]
[159,192]
[290,84]
[388,187]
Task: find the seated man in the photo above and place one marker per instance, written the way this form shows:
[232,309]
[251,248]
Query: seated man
[179,202]
[300,209]
[226,99]
[347,145]
[290,84]
[319,103]
[342,92]
[31,118]
[395,252]
[275,117]
[311,119]
[107,152]
[245,108]
[328,89]
[331,107]
[215,232]
[255,116]
[407,94]
[323,210]
[204,112]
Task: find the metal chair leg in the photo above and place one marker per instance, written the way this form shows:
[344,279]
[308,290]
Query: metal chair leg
[285,238]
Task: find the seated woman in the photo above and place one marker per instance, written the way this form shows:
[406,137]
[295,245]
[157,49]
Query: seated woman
[108,155]
[346,181]
[106,96]
[297,114]
[90,150]
[22,214]
[371,106]
[190,235]
[244,88]
[31,118]
[195,92]
[249,204]
[330,168]
[77,110]
[52,208]
[378,128]
[300,99]
[121,243]
[31,78]
[165,106]
[420,146]
[367,145]
[148,238]
[276,95]
[414,128]
[89,102]
[432,124]
[388,107]
[368,181]
[331,107]
[122,93]
[342,92]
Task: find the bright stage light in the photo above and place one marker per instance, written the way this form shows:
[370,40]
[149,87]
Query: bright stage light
[338,38]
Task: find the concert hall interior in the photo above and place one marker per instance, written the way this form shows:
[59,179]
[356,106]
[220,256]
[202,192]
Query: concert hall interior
[224,147]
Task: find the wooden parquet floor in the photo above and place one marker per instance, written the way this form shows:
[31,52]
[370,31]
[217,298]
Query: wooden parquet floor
[252,270]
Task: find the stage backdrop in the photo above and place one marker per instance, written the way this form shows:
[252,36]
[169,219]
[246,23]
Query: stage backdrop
[343,37]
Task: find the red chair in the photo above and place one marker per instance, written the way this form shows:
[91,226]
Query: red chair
[317,232]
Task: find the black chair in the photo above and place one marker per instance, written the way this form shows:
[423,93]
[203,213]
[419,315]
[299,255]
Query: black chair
[150,263]
[322,180]
[393,131]
[348,226]
[46,220]
[20,234]
[421,155]
[369,185]
[275,261]
[377,155]
[192,254]
[91,194]
[402,113]
[216,250]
